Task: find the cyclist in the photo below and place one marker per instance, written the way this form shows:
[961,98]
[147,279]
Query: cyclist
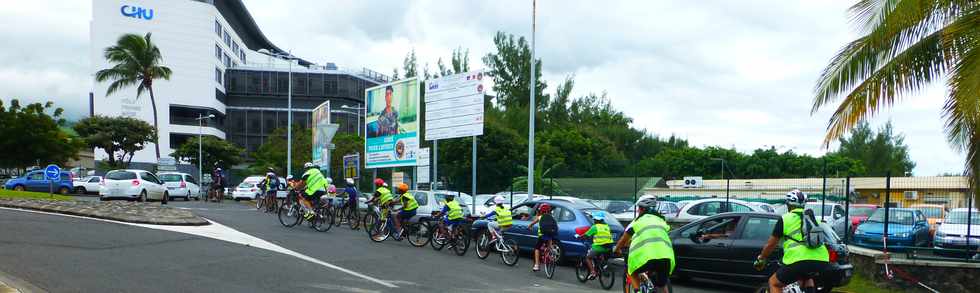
[547,231]
[351,192]
[452,213]
[315,187]
[800,263]
[409,207]
[382,196]
[269,186]
[601,241]
[651,251]
[502,219]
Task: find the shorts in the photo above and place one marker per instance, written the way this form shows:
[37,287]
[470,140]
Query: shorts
[315,197]
[658,270]
[405,215]
[804,269]
[542,240]
[451,223]
[599,250]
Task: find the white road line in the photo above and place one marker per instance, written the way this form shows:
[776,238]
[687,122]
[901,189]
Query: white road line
[225,233]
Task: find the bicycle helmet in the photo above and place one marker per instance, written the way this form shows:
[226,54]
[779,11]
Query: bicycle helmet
[795,198]
[402,188]
[648,204]
[599,216]
[379,182]
[308,165]
[332,189]
[350,181]
[499,200]
[544,207]
[450,197]
[271,170]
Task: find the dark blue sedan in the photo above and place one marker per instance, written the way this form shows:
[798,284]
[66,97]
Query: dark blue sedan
[571,214]
[906,228]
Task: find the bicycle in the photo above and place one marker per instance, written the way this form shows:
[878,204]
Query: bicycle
[267,201]
[647,285]
[507,247]
[458,239]
[292,214]
[603,271]
[794,287]
[347,212]
[416,233]
[549,258]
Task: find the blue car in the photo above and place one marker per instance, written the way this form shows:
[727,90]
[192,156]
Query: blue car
[35,181]
[907,228]
[570,214]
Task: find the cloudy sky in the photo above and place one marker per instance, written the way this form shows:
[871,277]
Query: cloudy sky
[728,73]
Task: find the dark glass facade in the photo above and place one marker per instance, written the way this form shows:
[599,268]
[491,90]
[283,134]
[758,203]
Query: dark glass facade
[257,102]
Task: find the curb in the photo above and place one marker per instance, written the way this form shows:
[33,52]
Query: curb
[11,284]
[181,222]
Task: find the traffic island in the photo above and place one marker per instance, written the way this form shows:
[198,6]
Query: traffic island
[132,212]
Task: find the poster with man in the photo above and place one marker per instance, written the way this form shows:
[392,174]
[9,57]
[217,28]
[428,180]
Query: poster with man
[392,124]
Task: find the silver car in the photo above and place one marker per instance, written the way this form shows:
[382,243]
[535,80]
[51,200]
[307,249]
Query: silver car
[952,233]
[832,213]
[430,201]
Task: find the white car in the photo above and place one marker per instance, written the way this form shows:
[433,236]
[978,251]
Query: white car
[485,207]
[764,206]
[703,208]
[952,233]
[832,213]
[86,185]
[431,201]
[249,188]
[668,209]
[133,185]
[181,185]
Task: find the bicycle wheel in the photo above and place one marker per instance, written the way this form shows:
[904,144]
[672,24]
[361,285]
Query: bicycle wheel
[353,217]
[511,254]
[323,220]
[438,239]
[259,203]
[582,271]
[418,234]
[606,277]
[483,245]
[370,220]
[379,231]
[552,261]
[290,215]
[461,240]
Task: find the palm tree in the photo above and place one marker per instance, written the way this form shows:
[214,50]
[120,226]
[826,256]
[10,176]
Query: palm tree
[137,62]
[905,46]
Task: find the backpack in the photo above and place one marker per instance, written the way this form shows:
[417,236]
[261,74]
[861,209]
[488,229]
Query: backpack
[814,235]
[548,225]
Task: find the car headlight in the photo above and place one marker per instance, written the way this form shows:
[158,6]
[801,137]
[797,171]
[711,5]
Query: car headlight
[902,235]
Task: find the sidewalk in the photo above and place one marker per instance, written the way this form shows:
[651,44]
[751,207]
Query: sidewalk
[133,212]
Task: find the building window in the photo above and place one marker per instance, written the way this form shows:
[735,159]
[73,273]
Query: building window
[217,51]
[217,28]
[234,48]
[227,61]
[243,56]
[227,39]
[217,75]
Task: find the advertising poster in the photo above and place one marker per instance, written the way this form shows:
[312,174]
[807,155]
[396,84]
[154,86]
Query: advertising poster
[392,124]
[323,133]
[454,106]
[352,166]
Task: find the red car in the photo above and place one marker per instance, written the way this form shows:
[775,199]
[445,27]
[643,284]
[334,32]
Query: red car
[858,213]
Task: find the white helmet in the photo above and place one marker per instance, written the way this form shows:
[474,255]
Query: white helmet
[308,165]
[498,200]
[350,181]
[795,197]
[329,180]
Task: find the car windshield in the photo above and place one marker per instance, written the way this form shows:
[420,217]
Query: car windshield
[897,217]
[931,212]
[819,210]
[120,175]
[245,185]
[581,204]
[959,217]
[170,177]
[861,211]
[615,206]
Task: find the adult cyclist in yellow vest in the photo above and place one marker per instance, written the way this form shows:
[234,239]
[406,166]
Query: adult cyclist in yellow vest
[314,187]
[651,253]
[602,240]
[800,263]
[409,207]
[501,215]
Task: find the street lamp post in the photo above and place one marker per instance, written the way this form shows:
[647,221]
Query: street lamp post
[358,109]
[289,106]
[200,153]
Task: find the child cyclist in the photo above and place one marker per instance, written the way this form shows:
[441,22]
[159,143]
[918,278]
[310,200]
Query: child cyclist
[547,231]
[502,219]
[602,241]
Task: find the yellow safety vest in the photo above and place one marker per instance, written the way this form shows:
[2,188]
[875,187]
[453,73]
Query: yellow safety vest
[314,181]
[409,203]
[650,241]
[503,217]
[793,250]
[602,235]
[385,195]
[455,212]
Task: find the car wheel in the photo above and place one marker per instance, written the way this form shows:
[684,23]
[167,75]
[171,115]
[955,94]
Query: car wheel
[63,190]
[102,199]
[19,188]
[166,197]
[80,190]
[142,197]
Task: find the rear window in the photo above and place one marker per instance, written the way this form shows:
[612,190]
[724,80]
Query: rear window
[121,175]
[170,177]
[245,185]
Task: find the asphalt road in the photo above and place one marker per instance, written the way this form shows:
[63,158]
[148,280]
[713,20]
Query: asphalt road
[62,254]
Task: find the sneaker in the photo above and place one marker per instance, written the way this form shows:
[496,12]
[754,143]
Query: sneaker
[592,276]
[308,215]
[536,268]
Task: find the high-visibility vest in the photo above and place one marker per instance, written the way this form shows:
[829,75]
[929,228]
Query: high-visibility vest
[793,250]
[385,195]
[503,217]
[409,203]
[650,241]
[455,212]
[314,181]
[602,235]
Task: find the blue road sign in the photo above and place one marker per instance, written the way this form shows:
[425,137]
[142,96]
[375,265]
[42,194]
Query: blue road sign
[53,173]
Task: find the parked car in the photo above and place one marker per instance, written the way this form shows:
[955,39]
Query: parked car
[570,216]
[181,185]
[934,214]
[487,205]
[730,259]
[668,209]
[832,213]
[432,201]
[952,233]
[906,228]
[36,181]
[612,206]
[481,206]
[133,185]
[87,185]
[768,208]
[703,208]
[858,213]
[249,188]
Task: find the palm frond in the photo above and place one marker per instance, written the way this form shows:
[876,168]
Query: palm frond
[119,84]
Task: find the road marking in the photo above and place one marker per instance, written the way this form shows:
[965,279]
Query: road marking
[225,233]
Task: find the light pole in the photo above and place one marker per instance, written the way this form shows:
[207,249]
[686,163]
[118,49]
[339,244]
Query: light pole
[289,106]
[358,109]
[200,153]
[532,107]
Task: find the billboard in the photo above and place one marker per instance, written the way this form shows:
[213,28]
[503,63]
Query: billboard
[323,133]
[392,124]
[454,106]
[422,171]
[352,166]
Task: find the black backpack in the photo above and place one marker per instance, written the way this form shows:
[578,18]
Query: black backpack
[548,225]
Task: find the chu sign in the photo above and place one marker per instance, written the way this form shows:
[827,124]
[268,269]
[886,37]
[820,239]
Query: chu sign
[136,12]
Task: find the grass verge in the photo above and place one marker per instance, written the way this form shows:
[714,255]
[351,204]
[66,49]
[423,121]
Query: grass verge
[862,284]
[11,194]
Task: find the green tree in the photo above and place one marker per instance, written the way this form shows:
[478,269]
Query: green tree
[346,143]
[410,65]
[213,151]
[272,153]
[119,137]
[34,137]
[880,152]
[905,46]
[510,68]
[460,60]
[137,62]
